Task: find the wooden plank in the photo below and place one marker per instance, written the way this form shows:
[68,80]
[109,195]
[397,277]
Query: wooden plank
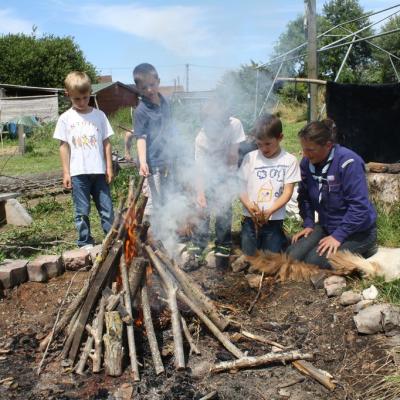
[92,297]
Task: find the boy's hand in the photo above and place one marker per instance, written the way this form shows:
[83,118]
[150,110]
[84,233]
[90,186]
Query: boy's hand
[67,181]
[266,215]
[144,169]
[109,175]
[201,200]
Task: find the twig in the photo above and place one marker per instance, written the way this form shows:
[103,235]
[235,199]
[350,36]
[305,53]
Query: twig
[56,321]
[253,303]
[210,395]
[188,336]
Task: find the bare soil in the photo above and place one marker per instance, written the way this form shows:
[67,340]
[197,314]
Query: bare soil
[292,314]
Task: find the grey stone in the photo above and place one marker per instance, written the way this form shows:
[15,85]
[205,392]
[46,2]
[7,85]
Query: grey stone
[240,264]
[378,318]
[334,285]
[318,280]
[371,293]
[13,273]
[284,393]
[362,304]
[349,298]
[16,213]
[253,280]
[76,259]
[210,259]
[52,264]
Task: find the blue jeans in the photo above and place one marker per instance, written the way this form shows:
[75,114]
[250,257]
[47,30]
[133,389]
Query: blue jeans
[84,186]
[305,249]
[270,237]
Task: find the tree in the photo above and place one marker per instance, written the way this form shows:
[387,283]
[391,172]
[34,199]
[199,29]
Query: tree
[45,61]
[390,43]
[334,12]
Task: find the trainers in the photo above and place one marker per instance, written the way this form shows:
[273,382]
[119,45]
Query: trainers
[222,251]
[195,250]
[87,247]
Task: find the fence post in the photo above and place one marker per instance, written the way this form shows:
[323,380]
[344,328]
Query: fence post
[21,139]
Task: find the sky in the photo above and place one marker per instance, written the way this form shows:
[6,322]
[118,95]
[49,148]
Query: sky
[211,36]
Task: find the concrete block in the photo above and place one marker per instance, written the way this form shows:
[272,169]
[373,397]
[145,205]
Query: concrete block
[378,318]
[76,259]
[13,273]
[16,213]
[36,272]
[334,285]
[362,304]
[94,251]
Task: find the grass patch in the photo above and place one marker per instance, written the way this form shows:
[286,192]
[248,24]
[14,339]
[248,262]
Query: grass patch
[388,223]
[388,291]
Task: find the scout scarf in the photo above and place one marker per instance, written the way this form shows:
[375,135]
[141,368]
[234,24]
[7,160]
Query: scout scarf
[321,175]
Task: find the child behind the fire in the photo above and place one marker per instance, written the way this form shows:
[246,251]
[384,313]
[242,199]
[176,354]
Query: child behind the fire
[267,177]
[216,159]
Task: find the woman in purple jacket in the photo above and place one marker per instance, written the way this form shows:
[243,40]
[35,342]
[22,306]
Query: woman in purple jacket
[334,186]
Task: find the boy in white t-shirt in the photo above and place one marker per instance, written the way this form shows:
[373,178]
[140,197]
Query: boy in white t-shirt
[267,176]
[85,151]
[216,157]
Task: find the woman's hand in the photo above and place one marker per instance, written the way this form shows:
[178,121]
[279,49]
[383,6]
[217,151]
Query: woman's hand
[305,232]
[329,245]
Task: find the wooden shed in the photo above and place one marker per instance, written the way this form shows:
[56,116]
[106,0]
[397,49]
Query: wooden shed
[111,96]
[17,100]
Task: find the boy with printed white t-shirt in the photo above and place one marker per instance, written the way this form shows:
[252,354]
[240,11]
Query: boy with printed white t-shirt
[85,152]
[216,157]
[267,176]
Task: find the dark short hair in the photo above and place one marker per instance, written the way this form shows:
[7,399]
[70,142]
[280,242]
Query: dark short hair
[268,126]
[319,132]
[144,69]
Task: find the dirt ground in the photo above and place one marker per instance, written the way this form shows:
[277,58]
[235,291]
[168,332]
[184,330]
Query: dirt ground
[292,314]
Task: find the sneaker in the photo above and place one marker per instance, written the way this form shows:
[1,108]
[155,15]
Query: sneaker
[195,250]
[222,251]
[87,247]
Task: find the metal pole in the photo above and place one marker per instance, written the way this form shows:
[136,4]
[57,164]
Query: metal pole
[256,97]
[345,59]
[360,40]
[394,68]
[271,88]
[187,77]
[312,67]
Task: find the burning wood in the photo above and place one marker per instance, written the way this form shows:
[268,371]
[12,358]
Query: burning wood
[129,263]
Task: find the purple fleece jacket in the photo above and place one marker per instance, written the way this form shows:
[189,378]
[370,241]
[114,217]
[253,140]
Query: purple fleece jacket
[345,207]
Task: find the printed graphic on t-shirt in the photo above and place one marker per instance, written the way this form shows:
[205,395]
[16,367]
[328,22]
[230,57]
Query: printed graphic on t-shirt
[87,139]
[265,193]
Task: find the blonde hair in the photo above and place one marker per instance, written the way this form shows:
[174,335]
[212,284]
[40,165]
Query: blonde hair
[78,81]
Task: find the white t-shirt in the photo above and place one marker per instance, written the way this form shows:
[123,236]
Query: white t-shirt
[85,134]
[213,146]
[264,178]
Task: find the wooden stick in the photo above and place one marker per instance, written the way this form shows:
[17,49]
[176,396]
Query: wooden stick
[193,291]
[321,376]
[151,335]
[78,300]
[114,351]
[253,303]
[92,296]
[129,327]
[98,337]
[210,395]
[188,336]
[171,288]
[246,362]
[211,326]
[136,273]
[80,367]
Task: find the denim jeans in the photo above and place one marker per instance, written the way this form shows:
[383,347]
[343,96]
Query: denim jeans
[84,186]
[270,237]
[305,249]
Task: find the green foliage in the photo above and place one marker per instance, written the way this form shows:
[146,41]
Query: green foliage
[122,117]
[388,223]
[390,43]
[40,61]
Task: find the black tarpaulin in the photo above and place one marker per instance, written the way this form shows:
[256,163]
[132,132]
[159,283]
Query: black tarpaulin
[367,118]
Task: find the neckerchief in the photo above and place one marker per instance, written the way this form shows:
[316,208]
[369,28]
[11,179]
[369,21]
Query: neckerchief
[321,175]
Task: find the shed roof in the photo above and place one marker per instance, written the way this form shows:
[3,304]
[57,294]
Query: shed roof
[98,87]
[42,89]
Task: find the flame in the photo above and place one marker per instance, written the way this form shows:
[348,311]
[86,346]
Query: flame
[139,318]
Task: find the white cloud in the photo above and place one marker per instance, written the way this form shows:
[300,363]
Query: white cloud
[180,29]
[13,24]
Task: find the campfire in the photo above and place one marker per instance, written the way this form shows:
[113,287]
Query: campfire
[114,303]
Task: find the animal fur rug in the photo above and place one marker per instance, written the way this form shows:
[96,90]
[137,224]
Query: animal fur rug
[385,263]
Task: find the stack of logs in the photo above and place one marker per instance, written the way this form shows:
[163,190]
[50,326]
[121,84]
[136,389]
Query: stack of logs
[112,298]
